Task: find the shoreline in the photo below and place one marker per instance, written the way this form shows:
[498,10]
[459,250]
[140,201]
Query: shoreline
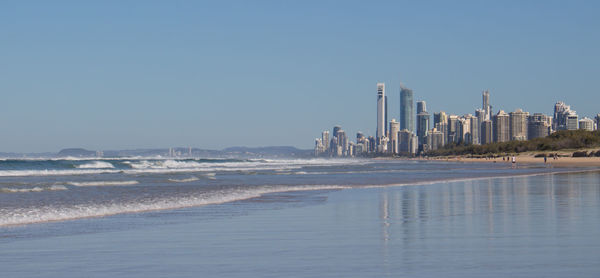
[300,188]
[527,159]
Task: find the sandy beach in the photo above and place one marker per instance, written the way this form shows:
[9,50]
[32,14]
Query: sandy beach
[531,159]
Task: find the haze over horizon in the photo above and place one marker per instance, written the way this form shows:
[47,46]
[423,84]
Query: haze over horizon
[150,74]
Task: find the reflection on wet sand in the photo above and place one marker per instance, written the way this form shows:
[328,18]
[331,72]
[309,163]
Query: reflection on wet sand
[500,208]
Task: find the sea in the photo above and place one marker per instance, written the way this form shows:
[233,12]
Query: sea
[233,217]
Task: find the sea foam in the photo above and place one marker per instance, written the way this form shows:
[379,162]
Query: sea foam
[103,183]
[96,165]
[50,213]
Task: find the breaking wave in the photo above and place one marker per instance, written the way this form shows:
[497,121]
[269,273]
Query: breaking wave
[96,165]
[191,179]
[29,215]
[33,189]
[102,183]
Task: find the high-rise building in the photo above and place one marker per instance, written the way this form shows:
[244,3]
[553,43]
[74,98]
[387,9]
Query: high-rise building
[538,126]
[407,119]
[336,129]
[342,142]
[469,125]
[454,130]
[386,117]
[440,122]
[501,126]
[422,127]
[597,121]
[474,129]
[561,117]
[435,139]
[440,117]
[518,125]
[325,139]
[537,129]
[487,108]
[586,124]
[372,144]
[362,143]
[394,128]
[380,131]
[319,147]
[421,106]
[572,120]
[407,142]
[480,114]
[464,127]
[486,132]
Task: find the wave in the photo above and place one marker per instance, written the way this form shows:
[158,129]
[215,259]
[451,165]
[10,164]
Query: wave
[157,166]
[102,183]
[191,179]
[164,164]
[96,165]
[22,216]
[28,215]
[34,189]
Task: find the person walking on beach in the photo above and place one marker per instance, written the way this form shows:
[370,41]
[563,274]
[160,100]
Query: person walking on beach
[545,159]
[514,161]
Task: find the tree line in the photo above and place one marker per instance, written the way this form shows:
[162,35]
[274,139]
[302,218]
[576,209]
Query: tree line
[560,140]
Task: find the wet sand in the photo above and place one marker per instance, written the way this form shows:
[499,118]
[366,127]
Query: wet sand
[531,159]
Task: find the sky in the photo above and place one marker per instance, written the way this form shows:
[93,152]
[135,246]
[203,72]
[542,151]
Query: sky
[108,75]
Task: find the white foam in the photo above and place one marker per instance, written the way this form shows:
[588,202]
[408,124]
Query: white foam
[23,173]
[96,165]
[190,179]
[186,166]
[102,183]
[34,189]
[30,215]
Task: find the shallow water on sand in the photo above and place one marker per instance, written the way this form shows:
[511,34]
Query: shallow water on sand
[528,226]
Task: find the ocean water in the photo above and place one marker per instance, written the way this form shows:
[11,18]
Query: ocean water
[153,217]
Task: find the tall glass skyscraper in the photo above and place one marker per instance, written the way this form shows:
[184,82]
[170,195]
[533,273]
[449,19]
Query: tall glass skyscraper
[407,120]
[380,132]
[486,105]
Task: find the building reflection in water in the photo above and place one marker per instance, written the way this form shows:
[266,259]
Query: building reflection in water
[417,220]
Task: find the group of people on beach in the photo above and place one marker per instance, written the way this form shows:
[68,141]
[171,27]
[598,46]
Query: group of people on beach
[508,158]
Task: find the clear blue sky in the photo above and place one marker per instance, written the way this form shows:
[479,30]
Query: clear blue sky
[139,74]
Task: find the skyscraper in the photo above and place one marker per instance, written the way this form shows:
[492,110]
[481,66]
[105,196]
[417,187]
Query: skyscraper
[407,142]
[538,126]
[453,130]
[440,123]
[518,125]
[586,124]
[394,128]
[386,117]
[380,131]
[474,129]
[421,106]
[407,119]
[486,132]
[486,105]
[435,139]
[336,129]
[572,120]
[597,121]
[440,117]
[423,119]
[325,139]
[501,122]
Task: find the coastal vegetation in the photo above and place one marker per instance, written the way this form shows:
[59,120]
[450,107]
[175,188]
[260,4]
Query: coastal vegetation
[561,140]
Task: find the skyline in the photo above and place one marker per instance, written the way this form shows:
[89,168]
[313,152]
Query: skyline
[484,127]
[147,74]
